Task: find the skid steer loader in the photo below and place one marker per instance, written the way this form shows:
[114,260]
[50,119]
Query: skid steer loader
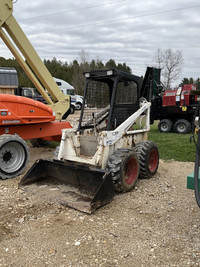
[108,149]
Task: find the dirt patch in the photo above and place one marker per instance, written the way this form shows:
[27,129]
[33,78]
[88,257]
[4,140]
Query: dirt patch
[156,224]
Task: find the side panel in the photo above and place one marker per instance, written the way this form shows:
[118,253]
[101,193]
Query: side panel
[48,131]
[22,110]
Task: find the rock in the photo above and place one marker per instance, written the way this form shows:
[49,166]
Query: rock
[21,220]
[54,189]
[89,237]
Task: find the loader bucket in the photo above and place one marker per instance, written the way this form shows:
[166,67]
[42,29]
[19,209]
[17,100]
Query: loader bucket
[84,188]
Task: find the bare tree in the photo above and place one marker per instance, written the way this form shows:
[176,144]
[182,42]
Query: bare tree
[171,63]
[84,59]
[158,58]
[79,67]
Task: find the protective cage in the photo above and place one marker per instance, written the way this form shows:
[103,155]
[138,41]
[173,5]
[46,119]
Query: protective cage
[109,99]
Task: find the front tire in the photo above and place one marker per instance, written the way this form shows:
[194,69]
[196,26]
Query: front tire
[13,155]
[124,167]
[148,157]
[78,106]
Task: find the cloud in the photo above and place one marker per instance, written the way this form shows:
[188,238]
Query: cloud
[122,30]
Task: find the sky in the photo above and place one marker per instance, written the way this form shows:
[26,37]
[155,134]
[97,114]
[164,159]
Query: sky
[124,30]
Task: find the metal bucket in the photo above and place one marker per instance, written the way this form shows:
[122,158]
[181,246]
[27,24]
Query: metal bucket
[85,188]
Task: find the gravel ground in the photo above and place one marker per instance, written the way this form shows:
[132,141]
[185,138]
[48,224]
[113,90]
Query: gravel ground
[156,224]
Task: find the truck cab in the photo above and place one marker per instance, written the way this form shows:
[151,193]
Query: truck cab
[30,93]
[68,89]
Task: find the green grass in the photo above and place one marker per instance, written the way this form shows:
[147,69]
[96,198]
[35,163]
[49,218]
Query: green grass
[173,146]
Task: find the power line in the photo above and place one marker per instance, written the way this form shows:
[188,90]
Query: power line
[116,20]
[71,10]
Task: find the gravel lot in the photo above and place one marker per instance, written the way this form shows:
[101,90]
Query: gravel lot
[156,224]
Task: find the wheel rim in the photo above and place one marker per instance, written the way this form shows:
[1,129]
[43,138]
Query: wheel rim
[181,127]
[78,106]
[153,160]
[12,157]
[132,169]
[164,127]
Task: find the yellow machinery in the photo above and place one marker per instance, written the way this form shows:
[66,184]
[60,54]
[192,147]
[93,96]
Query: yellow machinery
[22,118]
[15,39]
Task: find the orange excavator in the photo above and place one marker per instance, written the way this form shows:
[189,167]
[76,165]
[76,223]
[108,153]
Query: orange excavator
[22,118]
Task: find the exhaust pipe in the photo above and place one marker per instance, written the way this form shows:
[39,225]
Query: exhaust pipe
[85,188]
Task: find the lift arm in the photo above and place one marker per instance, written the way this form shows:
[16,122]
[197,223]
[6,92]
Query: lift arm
[19,45]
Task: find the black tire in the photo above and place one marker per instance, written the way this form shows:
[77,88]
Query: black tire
[165,126]
[13,155]
[148,157]
[78,106]
[182,126]
[124,166]
[72,109]
[38,142]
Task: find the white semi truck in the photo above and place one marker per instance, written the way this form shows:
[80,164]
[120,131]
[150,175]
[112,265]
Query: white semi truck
[68,89]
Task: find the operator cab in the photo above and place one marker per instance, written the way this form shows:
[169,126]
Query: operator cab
[110,97]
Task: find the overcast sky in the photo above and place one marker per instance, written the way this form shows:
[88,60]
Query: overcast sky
[125,30]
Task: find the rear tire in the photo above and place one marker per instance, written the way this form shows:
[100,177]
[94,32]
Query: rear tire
[13,155]
[124,167]
[182,126]
[165,126]
[148,157]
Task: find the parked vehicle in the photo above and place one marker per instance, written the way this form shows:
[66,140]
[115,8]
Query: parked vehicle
[108,150]
[68,89]
[174,108]
[30,93]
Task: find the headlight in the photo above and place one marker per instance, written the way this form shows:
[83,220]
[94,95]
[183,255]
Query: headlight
[87,75]
[110,72]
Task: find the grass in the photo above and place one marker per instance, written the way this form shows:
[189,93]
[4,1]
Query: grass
[173,146]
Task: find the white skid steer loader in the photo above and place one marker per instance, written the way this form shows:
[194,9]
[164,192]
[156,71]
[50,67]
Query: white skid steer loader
[108,150]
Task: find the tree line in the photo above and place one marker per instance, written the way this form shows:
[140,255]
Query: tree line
[192,81]
[70,72]
[170,62]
